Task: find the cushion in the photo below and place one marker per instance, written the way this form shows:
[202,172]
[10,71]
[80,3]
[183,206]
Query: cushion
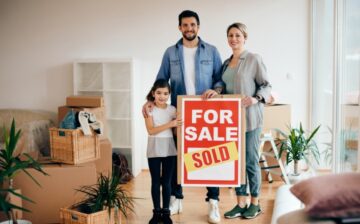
[330,196]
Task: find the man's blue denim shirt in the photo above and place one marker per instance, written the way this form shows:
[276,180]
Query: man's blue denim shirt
[207,69]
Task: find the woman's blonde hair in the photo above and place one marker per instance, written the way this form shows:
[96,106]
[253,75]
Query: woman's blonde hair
[240,26]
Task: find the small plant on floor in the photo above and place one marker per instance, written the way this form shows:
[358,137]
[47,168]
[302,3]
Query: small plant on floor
[106,194]
[11,163]
[298,146]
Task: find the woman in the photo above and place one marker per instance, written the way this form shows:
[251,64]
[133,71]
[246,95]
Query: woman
[245,73]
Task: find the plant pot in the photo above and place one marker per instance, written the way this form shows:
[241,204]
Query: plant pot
[20,221]
[69,216]
[296,168]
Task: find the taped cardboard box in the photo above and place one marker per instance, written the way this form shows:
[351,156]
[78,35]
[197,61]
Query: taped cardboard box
[57,190]
[99,113]
[276,116]
[15,200]
[104,163]
[85,101]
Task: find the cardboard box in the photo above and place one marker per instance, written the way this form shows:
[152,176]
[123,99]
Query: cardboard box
[351,144]
[99,113]
[351,114]
[85,101]
[15,201]
[104,164]
[277,116]
[56,191]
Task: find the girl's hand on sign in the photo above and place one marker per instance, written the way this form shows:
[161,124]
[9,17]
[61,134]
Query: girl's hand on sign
[176,123]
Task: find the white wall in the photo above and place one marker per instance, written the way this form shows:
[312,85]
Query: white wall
[40,39]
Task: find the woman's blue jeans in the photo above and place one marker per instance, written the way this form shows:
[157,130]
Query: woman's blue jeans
[253,170]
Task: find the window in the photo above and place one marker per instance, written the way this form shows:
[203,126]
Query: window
[336,81]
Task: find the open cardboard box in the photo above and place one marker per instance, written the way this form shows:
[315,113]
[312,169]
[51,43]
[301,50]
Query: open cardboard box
[57,190]
[99,113]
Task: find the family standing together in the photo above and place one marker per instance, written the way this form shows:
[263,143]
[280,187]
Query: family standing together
[194,67]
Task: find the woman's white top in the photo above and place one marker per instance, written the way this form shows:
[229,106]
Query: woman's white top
[162,144]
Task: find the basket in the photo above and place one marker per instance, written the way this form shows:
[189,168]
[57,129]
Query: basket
[71,146]
[70,216]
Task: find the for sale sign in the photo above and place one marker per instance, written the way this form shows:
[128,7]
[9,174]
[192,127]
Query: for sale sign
[211,141]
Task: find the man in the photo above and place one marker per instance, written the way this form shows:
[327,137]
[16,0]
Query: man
[192,66]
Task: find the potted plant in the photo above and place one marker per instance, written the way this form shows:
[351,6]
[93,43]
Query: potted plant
[12,163]
[298,146]
[103,201]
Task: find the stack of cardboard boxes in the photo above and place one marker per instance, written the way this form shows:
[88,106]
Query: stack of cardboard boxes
[58,189]
[276,116]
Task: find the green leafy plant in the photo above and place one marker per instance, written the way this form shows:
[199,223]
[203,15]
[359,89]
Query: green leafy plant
[106,194]
[12,163]
[298,146]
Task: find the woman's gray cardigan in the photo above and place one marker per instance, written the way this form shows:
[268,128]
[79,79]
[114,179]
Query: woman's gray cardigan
[251,80]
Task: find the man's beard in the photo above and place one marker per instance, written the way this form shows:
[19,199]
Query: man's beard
[189,38]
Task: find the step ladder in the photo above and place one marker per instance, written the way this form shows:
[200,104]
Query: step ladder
[267,137]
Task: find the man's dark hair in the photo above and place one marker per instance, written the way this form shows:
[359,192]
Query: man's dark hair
[188,13]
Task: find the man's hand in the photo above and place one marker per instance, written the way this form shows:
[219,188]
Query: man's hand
[209,94]
[248,101]
[147,107]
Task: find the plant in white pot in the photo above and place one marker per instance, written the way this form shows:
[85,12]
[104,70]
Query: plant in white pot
[12,163]
[299,146]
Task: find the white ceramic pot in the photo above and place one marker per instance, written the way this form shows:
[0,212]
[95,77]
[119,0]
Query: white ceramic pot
[20,221]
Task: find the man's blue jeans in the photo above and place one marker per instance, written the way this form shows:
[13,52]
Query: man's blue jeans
[176,189]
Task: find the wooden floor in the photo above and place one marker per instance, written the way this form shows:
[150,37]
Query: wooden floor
[195,207]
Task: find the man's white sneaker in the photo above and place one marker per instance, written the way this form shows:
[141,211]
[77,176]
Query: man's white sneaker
[175,205]
[214,214]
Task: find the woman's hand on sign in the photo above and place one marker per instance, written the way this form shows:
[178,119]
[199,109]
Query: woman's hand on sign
[248,101]
[210,93]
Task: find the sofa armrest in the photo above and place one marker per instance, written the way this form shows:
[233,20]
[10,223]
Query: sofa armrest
[285,202]
[300,217]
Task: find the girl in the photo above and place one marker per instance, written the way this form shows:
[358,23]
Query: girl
[161,150]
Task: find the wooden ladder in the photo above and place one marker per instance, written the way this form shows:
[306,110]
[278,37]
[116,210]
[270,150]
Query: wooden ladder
[267,137]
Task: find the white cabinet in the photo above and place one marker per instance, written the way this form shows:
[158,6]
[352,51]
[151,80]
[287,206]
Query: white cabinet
[114,80]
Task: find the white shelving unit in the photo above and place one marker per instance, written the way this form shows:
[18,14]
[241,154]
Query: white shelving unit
[114,80]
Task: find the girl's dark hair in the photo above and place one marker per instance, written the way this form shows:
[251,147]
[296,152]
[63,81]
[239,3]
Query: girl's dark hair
[160,83]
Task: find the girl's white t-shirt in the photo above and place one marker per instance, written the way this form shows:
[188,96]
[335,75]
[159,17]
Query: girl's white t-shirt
[162,144]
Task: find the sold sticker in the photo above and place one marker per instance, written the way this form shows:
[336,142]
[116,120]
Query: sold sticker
[212,156]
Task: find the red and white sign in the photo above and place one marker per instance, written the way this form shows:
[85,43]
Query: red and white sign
[211,141]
